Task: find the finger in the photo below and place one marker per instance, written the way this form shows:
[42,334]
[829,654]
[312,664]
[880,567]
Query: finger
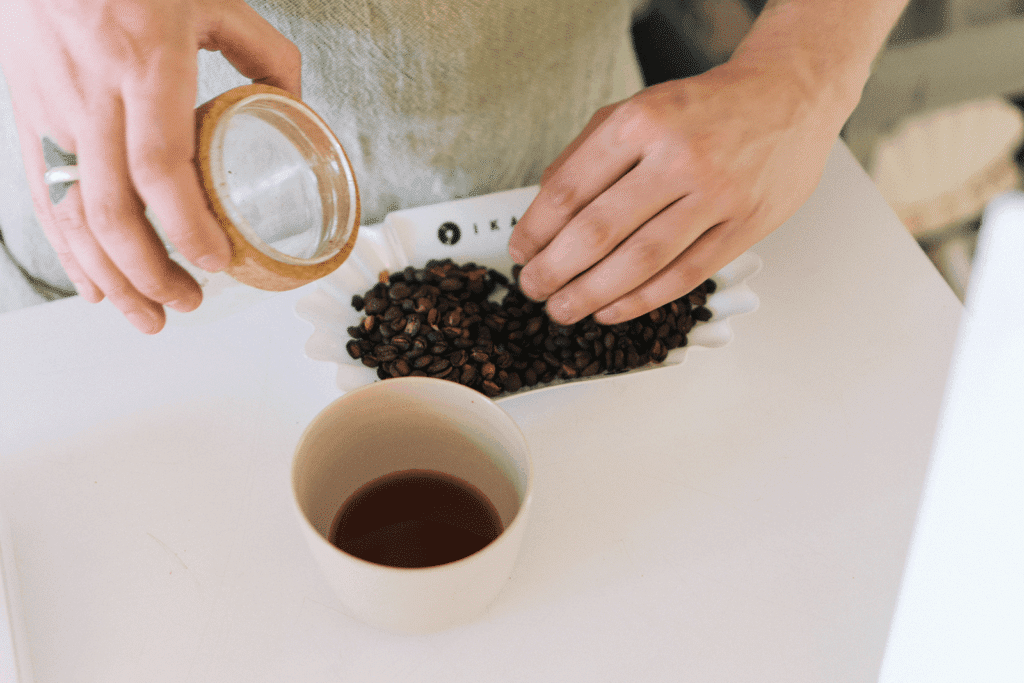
[708,254]
[128,261]
[64,219]
[596,164]
[145,315]
[159,130]
[643,254]
[598,229]
[55,220]
[253,46]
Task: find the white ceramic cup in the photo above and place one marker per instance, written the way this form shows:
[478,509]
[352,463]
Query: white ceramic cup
[408,424]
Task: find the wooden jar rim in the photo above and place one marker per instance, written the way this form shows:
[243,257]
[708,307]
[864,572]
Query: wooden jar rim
[259,265]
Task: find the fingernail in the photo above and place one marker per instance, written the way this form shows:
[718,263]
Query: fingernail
[87,292]
[144,321]
[212,263]
[183,306]
[560,311]
[526,285]
[516,254]
[607,316]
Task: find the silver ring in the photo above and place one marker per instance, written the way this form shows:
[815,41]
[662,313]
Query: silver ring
[61,169]
[61,174]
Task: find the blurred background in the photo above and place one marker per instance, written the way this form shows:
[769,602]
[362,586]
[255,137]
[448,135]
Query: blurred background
[941,122]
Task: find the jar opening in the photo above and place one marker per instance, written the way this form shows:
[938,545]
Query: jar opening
[283,179]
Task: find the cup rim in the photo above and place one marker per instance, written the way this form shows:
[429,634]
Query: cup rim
[517,519]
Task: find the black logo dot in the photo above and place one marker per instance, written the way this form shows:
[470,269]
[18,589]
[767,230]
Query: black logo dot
[449,233]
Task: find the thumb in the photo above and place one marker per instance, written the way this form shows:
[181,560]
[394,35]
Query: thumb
[251,44]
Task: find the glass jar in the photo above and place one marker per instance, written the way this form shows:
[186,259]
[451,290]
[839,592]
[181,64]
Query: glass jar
[279,183]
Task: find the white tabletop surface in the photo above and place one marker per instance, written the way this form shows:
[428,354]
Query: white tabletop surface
[744,516]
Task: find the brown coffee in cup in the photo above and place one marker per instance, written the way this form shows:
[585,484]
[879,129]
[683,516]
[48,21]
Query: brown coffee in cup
[415,518]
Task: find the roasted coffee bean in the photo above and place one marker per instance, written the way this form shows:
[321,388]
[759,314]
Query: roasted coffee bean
[513,383]
[402,367]
[702,314]
[418,348]
[385,353]
[422,362]
[658,352]
[375,305]
[358,302]
[438,365]
[453,317]
[353,349]
[412,326]
[487,370]
[446,373]
[495,322]
[490,388]
[399,291]
[423,304]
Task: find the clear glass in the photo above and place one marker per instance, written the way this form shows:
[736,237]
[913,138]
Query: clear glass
[283,179]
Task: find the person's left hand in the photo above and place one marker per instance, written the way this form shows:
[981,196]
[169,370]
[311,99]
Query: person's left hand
[663,189]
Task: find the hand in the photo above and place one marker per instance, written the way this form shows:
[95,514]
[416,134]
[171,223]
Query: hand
[114,82]
[662,190]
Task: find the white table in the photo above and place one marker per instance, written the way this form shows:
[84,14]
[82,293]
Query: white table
[744,516]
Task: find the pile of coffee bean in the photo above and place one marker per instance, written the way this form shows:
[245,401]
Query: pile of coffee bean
[445,320]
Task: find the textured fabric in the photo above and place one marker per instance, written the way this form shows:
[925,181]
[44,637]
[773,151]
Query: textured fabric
[432,100]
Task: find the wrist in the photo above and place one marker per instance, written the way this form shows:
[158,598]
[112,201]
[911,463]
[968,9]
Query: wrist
[821,50]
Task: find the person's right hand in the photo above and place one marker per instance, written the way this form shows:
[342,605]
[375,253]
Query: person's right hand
[114,82]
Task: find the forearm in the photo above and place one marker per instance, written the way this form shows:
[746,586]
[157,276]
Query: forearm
[825,47]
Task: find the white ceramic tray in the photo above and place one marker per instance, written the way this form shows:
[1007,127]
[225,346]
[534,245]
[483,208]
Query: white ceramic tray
[474,229]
